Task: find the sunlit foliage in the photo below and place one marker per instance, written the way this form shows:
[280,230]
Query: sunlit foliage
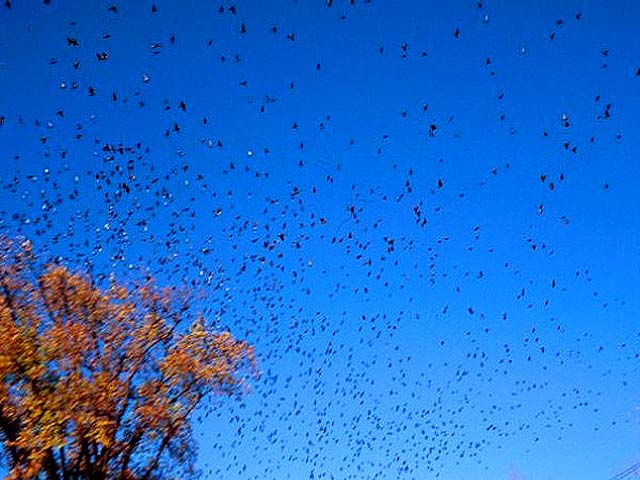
[101,383]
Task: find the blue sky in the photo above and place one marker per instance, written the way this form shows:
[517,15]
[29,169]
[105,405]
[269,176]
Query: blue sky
[497,340]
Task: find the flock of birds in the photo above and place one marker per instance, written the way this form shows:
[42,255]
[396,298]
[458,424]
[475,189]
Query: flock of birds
[402,331]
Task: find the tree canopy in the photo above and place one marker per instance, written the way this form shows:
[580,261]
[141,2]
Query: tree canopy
[102,383]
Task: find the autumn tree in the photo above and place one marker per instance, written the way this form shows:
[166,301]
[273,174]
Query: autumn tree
[102,383]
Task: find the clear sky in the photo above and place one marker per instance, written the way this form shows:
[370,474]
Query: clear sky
[424,214]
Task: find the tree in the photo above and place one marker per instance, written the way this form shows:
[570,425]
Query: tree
[101,383]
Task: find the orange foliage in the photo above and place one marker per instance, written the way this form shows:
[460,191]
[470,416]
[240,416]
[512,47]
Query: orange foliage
[101,383]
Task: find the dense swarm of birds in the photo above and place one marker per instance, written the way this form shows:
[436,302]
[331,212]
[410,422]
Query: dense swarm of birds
[405,266]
